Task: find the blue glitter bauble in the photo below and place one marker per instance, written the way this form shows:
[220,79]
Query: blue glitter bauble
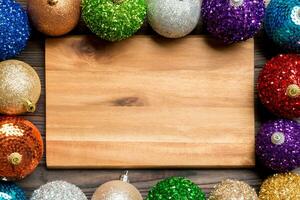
[10,191]
[282,23]
[233,20]
[14,29]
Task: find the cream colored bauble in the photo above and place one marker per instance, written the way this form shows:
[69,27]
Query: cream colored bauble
[117,190]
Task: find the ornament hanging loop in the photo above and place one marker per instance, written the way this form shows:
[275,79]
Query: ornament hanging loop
[15,158]
[124,177]
[293,91]
[52,2]
[278,138]
[236,3]
[30,107]
[296,15]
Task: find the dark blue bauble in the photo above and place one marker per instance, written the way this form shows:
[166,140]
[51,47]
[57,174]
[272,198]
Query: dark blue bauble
[10,191]
[14,29]
[282,24]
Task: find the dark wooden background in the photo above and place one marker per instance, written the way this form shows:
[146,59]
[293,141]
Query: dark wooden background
[89,180]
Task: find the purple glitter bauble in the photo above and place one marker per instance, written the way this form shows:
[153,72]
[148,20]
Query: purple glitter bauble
[233,20]
[278,145]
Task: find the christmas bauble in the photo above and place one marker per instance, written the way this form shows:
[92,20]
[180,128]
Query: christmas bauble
[278,145]
[15,30]
[233,20]
[114,20]
[232,189]
[173,18]
[175,188]
[118,189]
[281,187]
[21,148]
[282,23]
[57,190]
[279,85]
[54,17]
[20,87]
[10,191]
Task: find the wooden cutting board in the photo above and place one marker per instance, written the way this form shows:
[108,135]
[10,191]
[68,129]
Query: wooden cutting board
[149,102]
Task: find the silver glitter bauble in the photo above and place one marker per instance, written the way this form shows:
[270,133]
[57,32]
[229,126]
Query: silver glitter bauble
[174,18]
[58,190]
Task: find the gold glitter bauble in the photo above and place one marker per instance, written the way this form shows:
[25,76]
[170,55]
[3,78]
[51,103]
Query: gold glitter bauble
[284,186]
[232,189]
[54,17]
[20,87]
[118,189]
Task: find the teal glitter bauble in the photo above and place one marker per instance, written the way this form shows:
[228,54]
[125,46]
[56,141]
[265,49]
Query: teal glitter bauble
[10,191]
[282,23]
[114,20]
[176,188]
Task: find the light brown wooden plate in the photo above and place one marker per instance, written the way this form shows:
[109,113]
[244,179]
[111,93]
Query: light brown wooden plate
[149,102]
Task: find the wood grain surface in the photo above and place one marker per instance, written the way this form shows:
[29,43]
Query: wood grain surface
[89,180]
[149,102]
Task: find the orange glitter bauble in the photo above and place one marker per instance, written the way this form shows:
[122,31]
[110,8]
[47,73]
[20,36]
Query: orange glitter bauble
[21,148]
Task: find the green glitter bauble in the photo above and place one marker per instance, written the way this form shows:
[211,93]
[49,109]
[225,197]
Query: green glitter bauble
[114,20]
[176,188]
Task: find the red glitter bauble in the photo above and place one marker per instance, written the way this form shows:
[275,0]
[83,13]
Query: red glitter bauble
[279,85]
[21,148]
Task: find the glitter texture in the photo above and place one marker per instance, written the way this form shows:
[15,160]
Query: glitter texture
[21,148]
[233,190]
[114,190]
[114,20]
[20,87]
[233,20]
[274,85]
[176,188]
[54,17]
[281,187]
[58,190]
[279,153]
[10,191]
[174,18]
[15,30]
[282,23]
